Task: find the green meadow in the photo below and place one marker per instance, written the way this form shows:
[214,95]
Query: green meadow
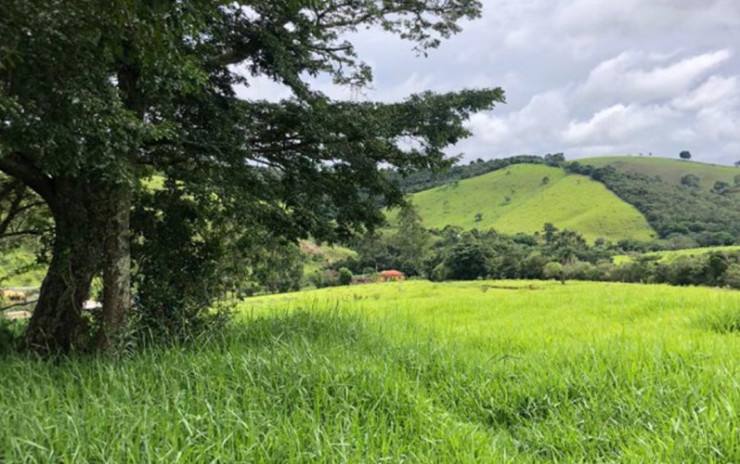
[522,198]
[480,371]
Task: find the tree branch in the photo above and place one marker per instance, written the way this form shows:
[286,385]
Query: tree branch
[22,303]
[18,166]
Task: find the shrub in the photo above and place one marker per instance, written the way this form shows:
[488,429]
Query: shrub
[554,270]
[732,276]
[345,276]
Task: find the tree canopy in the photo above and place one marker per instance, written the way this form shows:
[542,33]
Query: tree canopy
[95,98]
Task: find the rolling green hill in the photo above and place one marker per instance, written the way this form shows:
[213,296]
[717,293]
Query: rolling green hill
[518,199]
[669,170]
[698,215]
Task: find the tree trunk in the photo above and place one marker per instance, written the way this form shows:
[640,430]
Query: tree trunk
[91,231]
[57,325]
[116,268]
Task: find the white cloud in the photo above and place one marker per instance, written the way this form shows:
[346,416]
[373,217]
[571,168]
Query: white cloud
[646,18]
[536,123]
[616,124]
[585,76]
[629,78]
[717,90]
[717,123]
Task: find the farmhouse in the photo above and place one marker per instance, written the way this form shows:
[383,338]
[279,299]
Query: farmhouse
[391,275]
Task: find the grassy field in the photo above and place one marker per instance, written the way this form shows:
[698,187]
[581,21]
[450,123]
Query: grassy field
[517,200]
[669,170]
[670,255]
[320,256]
[406,372]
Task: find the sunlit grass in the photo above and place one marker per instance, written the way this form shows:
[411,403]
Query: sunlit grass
[416,371]
[519,199]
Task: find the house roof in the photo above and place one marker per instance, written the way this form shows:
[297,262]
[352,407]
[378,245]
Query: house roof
[392,273]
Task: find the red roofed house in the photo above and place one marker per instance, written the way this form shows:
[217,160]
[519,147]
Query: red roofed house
[392,275]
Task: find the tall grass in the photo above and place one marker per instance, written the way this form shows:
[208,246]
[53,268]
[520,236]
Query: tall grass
[416,372]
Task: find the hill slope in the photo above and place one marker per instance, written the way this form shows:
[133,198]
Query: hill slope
[699,213]
[669,170]
[518,199]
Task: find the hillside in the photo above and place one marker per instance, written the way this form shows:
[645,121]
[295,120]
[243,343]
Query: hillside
[689,215]
[518,199]
[668,256]
[669,170]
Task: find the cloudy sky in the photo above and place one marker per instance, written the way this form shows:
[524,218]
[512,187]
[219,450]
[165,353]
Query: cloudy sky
[583,77]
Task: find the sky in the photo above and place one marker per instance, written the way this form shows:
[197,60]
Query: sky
[582,77]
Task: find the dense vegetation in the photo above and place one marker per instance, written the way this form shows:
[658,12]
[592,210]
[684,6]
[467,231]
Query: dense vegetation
[425,179]
[685,213]
[456,254]
[96,98]
[667,169]
[489,371]
[670,255]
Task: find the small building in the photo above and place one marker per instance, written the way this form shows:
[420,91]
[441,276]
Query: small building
[391,276]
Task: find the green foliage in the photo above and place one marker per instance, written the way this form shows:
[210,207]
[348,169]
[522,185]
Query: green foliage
[345,276]
[690,180]
[685,155]
[465,255]
[10,332]
[732,276]
[25,226]
[553,270]
[406,250]
[720,187]
[666,256]
[411,242]
[148,87]
[180,263]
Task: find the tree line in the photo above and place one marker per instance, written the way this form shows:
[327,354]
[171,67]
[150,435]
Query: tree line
[455,254]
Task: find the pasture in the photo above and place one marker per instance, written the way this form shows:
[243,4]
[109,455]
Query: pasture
[670,170]
[482,371]
[522,198]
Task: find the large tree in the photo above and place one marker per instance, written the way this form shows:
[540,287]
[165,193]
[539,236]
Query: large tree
[96,96]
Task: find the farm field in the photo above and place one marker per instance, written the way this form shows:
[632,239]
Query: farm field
[669,255]
[481,371]
[516,199]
